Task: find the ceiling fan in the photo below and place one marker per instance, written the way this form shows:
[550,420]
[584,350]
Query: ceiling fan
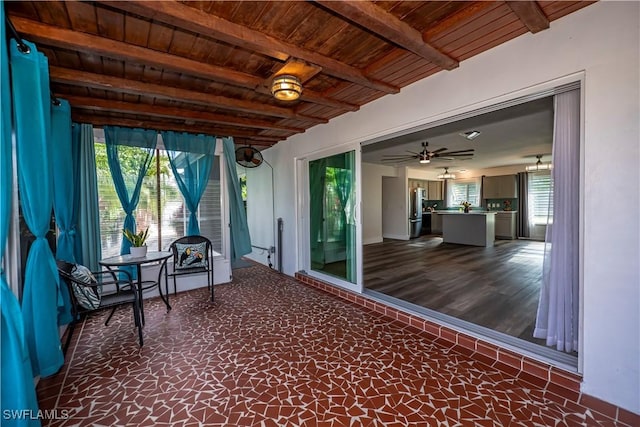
[425,156]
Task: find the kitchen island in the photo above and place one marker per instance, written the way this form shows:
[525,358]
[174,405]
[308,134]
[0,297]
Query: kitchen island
[473,228]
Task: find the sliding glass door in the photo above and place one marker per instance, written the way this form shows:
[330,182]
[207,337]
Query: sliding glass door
[332,216]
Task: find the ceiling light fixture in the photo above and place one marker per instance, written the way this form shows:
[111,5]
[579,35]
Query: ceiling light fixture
[286,87]
[424,156]
[539,166]
[446,175]
[470,134]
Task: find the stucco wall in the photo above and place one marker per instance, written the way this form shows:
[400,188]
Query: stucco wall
[599,43]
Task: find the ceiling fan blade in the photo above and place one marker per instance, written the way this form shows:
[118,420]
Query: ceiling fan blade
[399,156]
[442,158]
[439,150]
[470,150]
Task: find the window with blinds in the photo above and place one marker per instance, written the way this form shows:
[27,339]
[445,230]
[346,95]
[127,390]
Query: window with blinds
[161,207]
[540,198]
[467,190]
[210,215]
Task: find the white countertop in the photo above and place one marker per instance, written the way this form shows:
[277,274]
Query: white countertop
[471,212]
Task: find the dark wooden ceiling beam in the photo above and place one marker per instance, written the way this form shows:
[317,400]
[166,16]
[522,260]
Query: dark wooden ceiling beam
[99,121]
[191,19]
[387,26]
[121,85]
[89,43]
[99,104]
[96,45]
[531,15]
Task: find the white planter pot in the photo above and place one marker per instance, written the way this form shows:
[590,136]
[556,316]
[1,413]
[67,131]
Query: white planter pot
[138,252]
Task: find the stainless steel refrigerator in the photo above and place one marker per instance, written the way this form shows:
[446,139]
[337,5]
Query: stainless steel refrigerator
[415,211]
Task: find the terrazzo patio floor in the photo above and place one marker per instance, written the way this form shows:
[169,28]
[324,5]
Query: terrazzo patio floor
[272,351]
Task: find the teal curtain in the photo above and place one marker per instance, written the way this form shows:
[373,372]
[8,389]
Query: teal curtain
[63,205]
[240,239]
[17,391]
[128,179]
[88,250]
[346,194]
[63,180]
[41,295]
[317,176]
[191,158]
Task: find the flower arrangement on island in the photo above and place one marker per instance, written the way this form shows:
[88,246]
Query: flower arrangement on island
[466,205]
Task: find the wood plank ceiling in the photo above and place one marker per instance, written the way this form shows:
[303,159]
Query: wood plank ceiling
[206,66]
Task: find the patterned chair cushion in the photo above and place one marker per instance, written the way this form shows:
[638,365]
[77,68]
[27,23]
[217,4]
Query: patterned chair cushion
[88,297]
[191,255]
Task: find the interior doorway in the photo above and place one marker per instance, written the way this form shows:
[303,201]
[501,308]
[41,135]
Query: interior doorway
[493,291]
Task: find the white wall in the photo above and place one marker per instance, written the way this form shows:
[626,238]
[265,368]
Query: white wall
[395,206]
[601,41]
[372,201]
[262,224]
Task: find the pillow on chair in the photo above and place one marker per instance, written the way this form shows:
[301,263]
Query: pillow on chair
[191,255]
[88,297]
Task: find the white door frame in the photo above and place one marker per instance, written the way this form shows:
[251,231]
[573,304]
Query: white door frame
[302,215]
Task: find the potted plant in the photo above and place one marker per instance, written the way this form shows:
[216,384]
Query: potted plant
[138,248]
[466,206]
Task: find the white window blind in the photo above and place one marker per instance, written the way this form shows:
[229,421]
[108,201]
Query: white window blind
[540,198]
[210,215]
[166,216]
[464,190]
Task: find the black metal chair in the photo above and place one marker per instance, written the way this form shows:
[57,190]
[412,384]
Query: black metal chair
[191,255]
[124,292]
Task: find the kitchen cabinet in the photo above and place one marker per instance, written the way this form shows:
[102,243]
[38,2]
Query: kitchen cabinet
[436,223]
[426,223]
[473,228]
[500,187]
[506,225]
[434,190]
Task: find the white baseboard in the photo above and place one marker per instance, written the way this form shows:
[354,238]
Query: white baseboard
[396,236]
[372,240]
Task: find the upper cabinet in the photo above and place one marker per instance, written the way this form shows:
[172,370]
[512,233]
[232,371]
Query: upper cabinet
[434,190]
[500,187]
[415,183]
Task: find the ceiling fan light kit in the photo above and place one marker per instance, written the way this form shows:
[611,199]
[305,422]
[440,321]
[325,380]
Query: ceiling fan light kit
[286,87]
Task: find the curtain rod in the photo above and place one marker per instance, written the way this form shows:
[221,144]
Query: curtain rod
[24,48]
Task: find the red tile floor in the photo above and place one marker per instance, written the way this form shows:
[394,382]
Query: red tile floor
[272,351]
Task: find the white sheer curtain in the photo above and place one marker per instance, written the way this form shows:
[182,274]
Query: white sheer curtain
[557,316]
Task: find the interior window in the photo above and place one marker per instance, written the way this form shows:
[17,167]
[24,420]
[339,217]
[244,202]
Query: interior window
[464,190]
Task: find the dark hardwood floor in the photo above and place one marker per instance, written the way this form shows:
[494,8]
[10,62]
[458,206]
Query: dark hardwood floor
[495,287]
